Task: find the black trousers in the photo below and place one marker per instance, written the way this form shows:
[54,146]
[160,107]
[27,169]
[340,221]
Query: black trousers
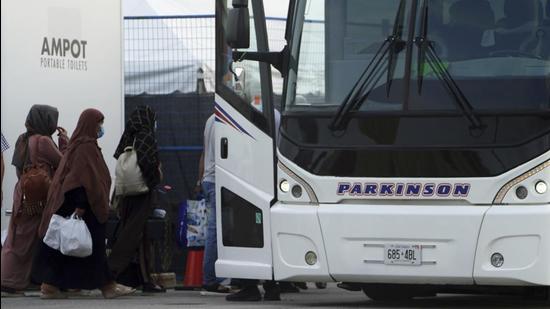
[130,238]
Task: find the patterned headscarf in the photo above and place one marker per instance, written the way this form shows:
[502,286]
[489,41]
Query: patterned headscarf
[140,132]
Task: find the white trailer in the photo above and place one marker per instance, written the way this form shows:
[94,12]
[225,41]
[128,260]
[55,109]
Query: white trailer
[413,157]
[67,54]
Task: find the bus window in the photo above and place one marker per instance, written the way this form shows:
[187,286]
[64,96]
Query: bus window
[484,46]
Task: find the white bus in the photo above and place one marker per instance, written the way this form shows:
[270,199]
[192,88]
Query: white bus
[413,155]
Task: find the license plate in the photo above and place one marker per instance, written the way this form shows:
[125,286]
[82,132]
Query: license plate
[400,254]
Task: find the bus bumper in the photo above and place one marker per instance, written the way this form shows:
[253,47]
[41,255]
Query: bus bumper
[457,243]
[295,231]
[521,234]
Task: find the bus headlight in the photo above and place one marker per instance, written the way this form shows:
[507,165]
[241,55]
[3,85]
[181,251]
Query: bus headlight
[541,187]
[521,192]
[284,186]
[297,191]
[530,181]
[300,191]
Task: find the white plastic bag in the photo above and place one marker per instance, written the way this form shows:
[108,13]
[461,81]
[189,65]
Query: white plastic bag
[52,234]
[75,238]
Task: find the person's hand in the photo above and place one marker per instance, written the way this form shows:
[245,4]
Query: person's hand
[61,131]
[80,212]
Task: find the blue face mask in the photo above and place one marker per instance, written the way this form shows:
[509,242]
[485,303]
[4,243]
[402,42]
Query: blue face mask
[101,132]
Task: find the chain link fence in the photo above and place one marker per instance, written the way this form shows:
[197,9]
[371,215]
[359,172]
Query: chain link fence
[163,54]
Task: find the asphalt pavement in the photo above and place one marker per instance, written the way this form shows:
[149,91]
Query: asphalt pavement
[332,297]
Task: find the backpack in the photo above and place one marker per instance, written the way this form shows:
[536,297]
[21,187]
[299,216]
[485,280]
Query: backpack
[35,183]
[129,178]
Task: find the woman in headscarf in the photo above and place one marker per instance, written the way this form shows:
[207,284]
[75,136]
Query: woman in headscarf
[81,185]
[35,146]
[135,210]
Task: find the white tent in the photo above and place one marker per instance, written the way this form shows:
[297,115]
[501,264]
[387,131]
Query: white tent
[166,42]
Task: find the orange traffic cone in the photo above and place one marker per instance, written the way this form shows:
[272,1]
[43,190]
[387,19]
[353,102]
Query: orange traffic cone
[193,269]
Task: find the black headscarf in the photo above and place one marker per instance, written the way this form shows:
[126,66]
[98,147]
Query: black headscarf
[140,132]
[41,120]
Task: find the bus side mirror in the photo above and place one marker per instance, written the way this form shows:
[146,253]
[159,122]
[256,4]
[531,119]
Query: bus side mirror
[279,60]
[237,27]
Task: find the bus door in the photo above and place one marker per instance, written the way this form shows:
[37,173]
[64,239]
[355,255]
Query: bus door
[245,149]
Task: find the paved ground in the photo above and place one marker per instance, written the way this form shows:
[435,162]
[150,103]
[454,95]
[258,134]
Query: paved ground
[312,298]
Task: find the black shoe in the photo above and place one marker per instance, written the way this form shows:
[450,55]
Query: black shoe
[301,285]
[273,293]
[288,287]
[349,286]
[249,293]
[152,288]
[321,285]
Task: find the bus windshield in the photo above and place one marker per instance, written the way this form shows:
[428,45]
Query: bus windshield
[401,56]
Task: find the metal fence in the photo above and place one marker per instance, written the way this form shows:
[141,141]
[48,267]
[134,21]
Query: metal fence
[162,57]
[180,125]
[164,53]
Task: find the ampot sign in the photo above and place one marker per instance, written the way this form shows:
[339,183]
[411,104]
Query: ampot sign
[56,50]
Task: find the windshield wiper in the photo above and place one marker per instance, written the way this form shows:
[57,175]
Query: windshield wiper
[427,53]
[372,74]
[396,45]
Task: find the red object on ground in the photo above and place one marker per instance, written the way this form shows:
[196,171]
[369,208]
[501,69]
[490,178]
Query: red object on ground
[193,269]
